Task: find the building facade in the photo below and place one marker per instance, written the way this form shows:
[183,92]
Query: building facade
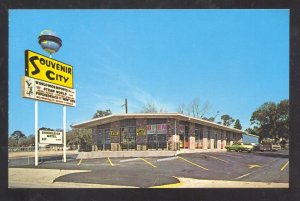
[158,131]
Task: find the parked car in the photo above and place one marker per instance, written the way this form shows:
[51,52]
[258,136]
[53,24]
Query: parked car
[85,148]
[239,146]
[269,147]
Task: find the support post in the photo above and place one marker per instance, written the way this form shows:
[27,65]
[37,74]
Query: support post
[64,133]
[36,159]
[175,136]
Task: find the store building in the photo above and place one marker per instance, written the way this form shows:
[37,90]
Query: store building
[158,131]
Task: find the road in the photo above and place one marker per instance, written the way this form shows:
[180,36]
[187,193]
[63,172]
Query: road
[271,167]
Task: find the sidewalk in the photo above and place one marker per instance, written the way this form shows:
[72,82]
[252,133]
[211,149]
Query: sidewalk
[43,178]
[12,155]
[197,183]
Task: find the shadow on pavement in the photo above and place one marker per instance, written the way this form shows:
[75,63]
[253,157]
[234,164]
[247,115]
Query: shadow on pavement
[100,177]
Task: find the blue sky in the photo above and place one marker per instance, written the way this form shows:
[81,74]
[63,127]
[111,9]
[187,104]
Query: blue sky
[234,59]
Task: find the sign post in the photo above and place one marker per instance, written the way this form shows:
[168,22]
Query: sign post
[64,131]
[36,161]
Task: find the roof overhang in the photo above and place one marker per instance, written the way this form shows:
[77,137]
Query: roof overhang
[116,117]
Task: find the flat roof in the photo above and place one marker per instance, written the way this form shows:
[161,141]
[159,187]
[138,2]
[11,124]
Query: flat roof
[116,117]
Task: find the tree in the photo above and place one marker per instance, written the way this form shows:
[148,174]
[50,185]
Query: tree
[272,120]
[196,110]
[17,135]
[237,124]
[102,113]
[212,119]
[227,120]
[149,108]
[79,136]
[181,109]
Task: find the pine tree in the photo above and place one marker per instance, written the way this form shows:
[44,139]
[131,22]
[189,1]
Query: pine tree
[237,124]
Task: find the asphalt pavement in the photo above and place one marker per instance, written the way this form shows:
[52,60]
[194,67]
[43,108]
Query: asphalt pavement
[270,167]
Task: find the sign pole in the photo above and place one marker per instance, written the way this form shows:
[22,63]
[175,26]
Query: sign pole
[36,132]
[175,135]
[64,129]
[64,133]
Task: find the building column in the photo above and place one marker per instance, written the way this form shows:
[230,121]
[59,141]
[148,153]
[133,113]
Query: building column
[223,140]
[231,138]
[219,144]
[204,141]
[191,142]
[211,146]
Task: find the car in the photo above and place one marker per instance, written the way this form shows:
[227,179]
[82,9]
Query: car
[85,148]
[269,147]
[239,147]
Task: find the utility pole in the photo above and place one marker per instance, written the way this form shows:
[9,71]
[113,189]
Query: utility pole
[126,108]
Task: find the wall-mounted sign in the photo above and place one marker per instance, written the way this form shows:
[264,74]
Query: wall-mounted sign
[140,132]
[43,91]
[50,137]
[157,129]
[43,68]
[114,133]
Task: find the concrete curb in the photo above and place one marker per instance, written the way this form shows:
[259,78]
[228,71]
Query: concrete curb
[198,183]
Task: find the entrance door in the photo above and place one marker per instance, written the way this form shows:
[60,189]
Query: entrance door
[106,140]
[128,138]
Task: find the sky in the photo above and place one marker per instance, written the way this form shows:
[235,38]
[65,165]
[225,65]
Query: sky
[235,60]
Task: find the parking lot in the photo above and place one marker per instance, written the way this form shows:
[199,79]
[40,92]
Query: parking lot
[152,172]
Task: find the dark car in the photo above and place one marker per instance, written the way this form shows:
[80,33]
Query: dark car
[85,148]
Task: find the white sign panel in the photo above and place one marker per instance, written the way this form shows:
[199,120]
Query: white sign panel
[157,129]
[45,91]
[50,137]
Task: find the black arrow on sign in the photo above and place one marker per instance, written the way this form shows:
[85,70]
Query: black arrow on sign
[36,69]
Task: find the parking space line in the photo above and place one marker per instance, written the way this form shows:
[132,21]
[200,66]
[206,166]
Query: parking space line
[283,167]
[167,159]
[192,163]
[128,160]
[110,161]
[148,163]
[243,175]
[216,158]
[79,162]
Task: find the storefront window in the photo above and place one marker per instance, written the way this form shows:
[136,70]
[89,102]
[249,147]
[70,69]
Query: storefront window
[157,136]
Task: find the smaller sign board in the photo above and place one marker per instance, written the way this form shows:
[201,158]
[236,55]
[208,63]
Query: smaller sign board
[44,91]
[50,137]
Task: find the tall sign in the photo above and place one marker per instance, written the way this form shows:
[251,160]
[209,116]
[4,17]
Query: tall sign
[43,68]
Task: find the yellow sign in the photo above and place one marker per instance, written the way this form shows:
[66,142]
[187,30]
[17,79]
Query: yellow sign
[114,133]
[140,132]
[43,68]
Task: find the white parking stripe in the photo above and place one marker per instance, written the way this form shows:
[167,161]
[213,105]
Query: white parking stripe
[243,175]
[167,159]
[127,160]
